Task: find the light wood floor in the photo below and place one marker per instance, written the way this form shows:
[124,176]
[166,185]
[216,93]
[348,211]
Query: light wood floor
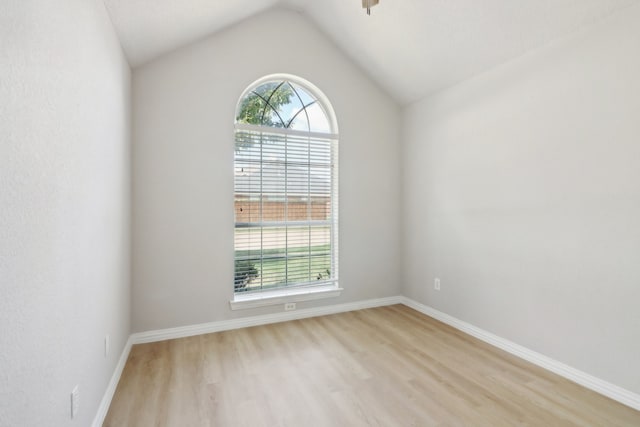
[389,366]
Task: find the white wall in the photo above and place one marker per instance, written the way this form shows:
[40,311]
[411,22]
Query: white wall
[64,208]
[522,193]
[184,106]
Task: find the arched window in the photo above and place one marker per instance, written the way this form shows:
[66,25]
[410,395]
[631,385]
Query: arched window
[286,190]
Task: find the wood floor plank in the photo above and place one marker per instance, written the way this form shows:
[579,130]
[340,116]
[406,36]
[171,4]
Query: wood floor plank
[388,366]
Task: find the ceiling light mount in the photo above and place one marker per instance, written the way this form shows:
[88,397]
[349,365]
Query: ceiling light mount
[368,4]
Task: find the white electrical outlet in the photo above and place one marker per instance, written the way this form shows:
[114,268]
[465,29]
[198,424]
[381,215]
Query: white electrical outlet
[75,402]
[436,284]
[290,306]
[106,345]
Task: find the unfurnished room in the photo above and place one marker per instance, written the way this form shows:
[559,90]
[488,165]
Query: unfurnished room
[319,213]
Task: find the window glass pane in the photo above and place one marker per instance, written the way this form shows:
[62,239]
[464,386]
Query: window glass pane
[274,266]
[320,152]
[273,148]
[297,208]
[300,122]
[283,101]
[252,110]
[298,254]
[287,103]
[320,182]
[297,182]
[320,244]
[318,121]
[320,208]
[272,118]
[247,259]
[266,90]
[303,94]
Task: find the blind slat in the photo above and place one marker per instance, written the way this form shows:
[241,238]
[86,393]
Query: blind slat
[286,209]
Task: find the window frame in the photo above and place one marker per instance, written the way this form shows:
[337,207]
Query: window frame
[304,291]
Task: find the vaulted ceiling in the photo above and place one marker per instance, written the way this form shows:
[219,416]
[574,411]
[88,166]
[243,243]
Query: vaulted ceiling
[411,48]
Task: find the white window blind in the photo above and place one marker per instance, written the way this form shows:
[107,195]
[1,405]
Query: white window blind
[286,208]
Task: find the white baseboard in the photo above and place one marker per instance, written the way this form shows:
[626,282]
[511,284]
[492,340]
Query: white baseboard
[612,391]
[245,322]
[111,387]
[605,388]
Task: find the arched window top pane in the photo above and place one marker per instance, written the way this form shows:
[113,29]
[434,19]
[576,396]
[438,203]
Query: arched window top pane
[305,97]
[283,104]
[300,122]
[318,121]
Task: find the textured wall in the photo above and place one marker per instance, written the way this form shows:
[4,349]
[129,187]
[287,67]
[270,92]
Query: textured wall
[184,106]
[64,208]
[522,193]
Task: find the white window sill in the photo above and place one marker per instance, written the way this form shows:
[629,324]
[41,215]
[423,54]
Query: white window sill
[282,296]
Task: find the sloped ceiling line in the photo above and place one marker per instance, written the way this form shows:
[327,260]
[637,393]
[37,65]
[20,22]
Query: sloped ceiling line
[411,48]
